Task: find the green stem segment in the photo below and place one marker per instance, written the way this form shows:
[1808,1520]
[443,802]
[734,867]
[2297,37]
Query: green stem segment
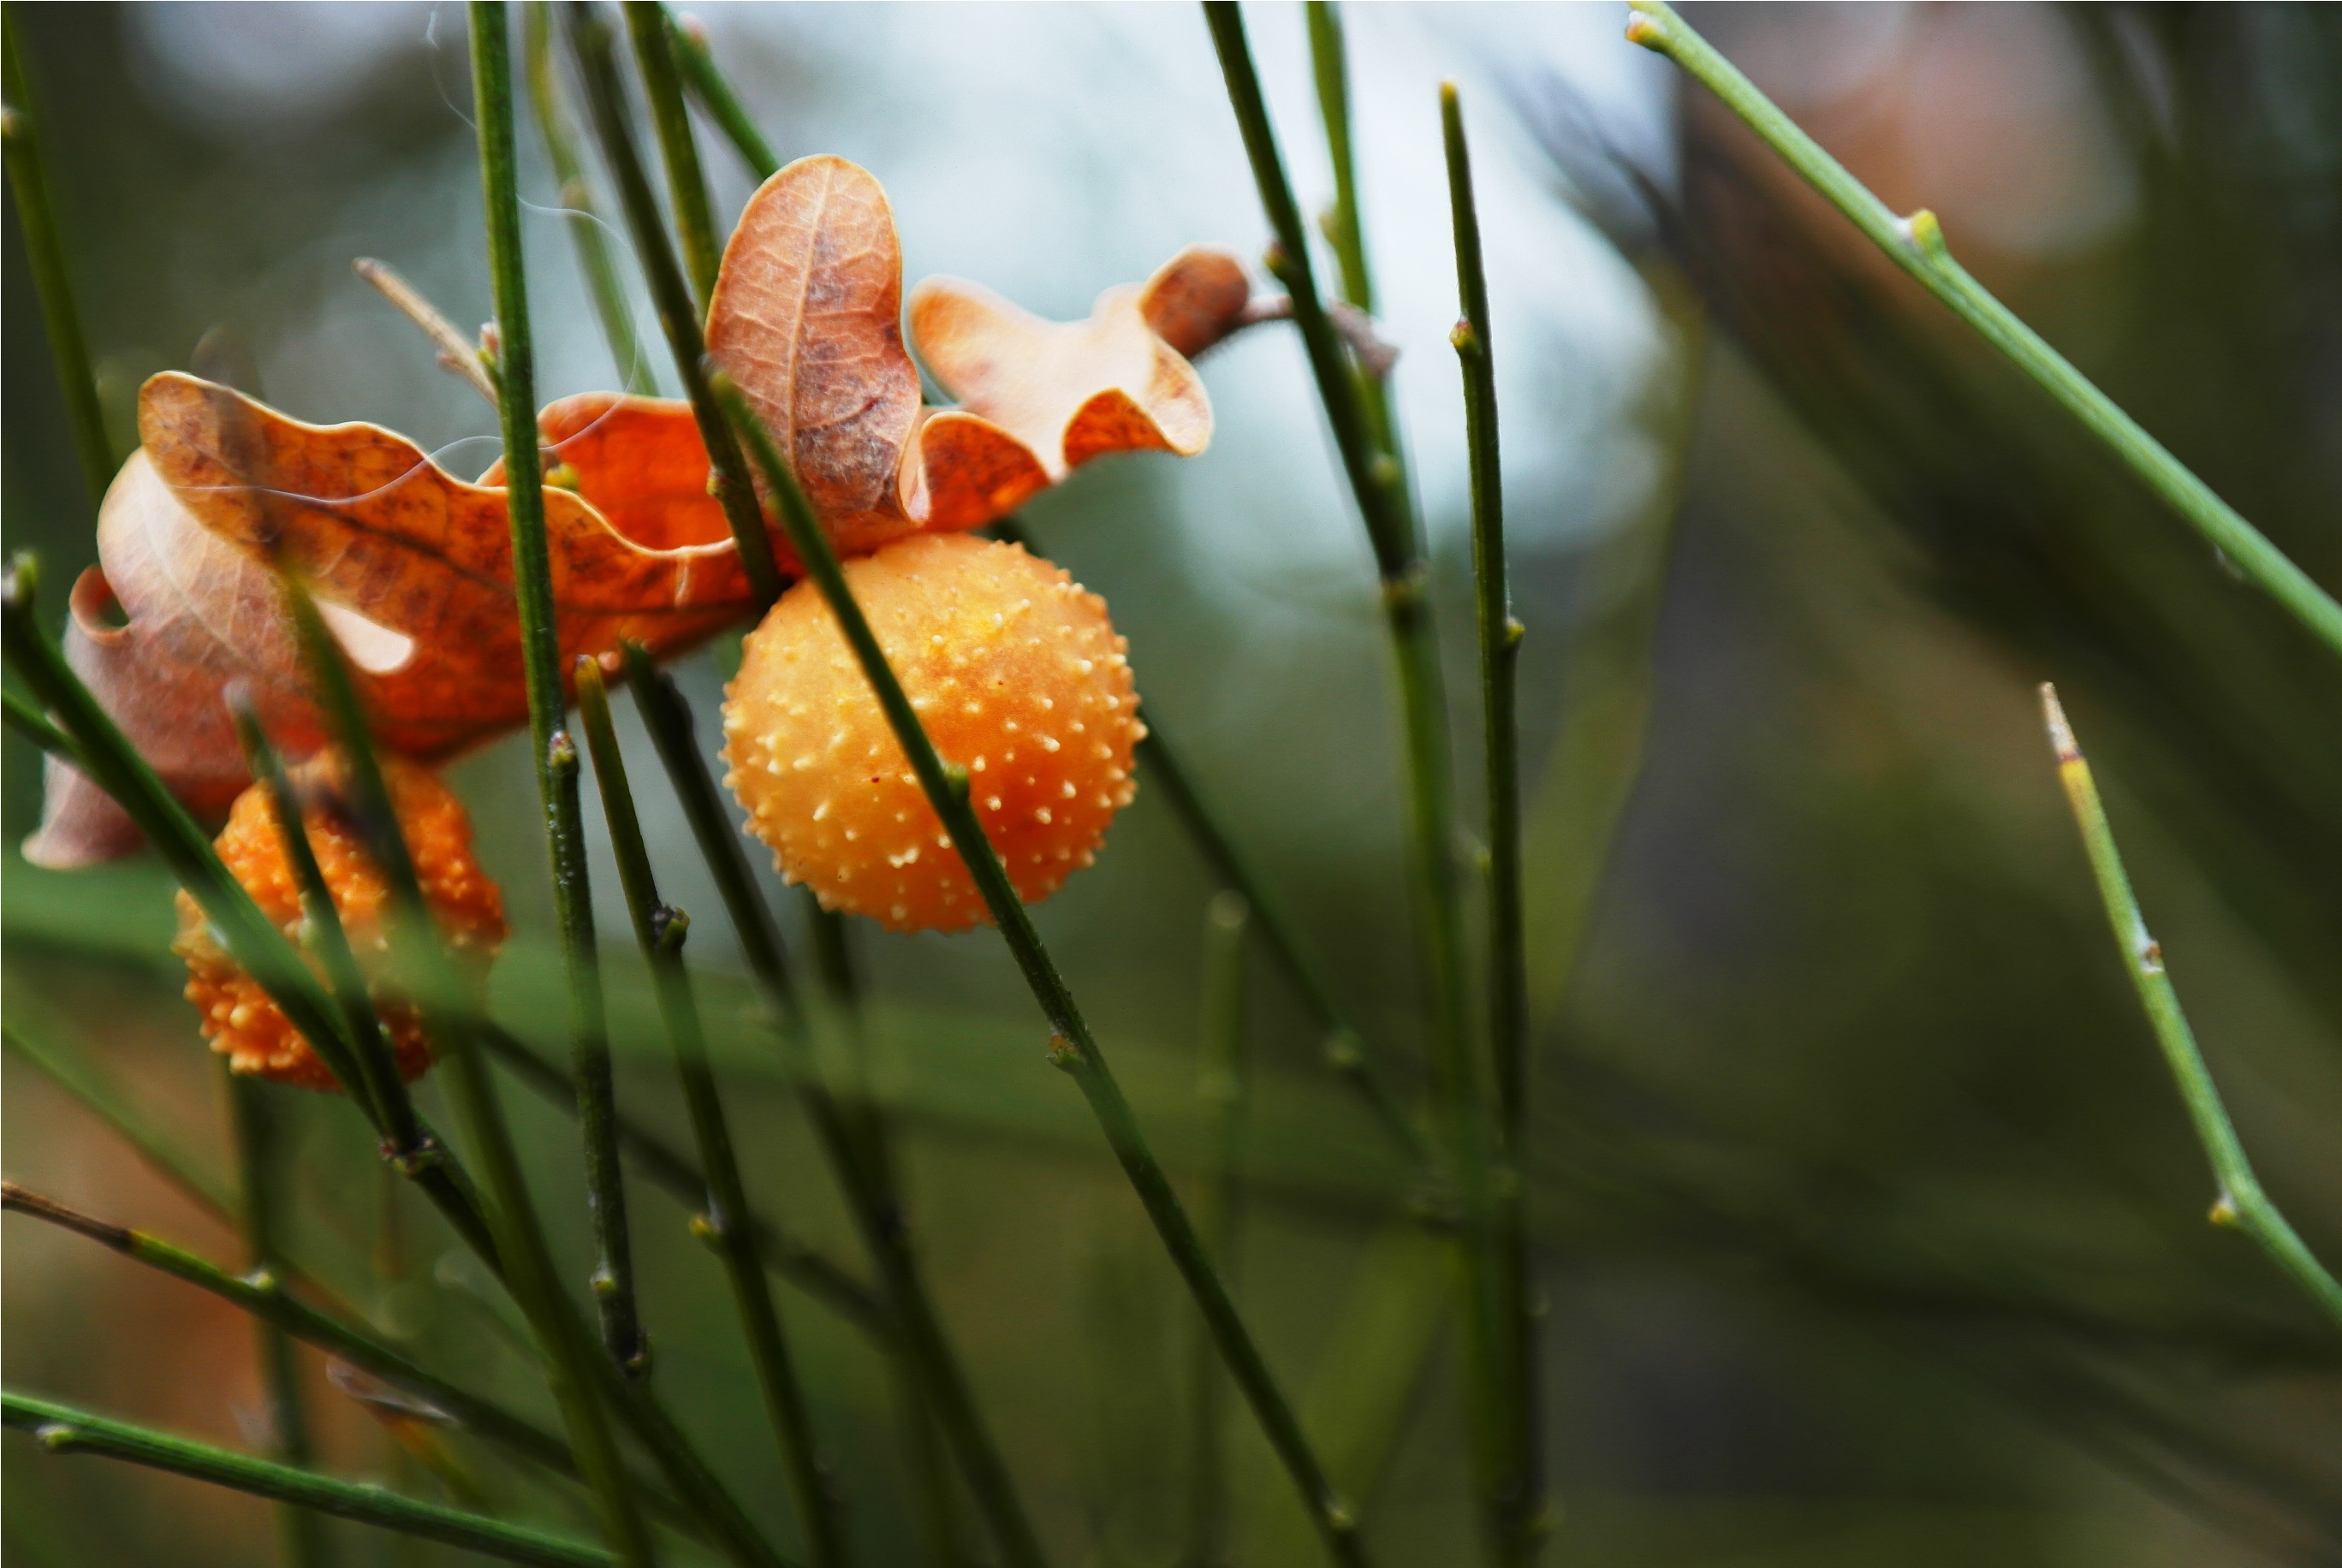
[253,1117]
[99,748]
[529,1266]
[660,930]
[1073,1047]
[1517,1517]
[869,1192]
[2241,1202]
[611,306]
[26,720]
[1345,1047]
[327,940]
[1379,482]
[929,1466]
[659,1163]
[589,39]
[715,96]
[1329,63]
[516,1249]
[1380,487]
[62,1429]
[1220,1086]
[687,187]
[263,1295]
[1915,245]
[19,134]
[1358,409]
[556,755]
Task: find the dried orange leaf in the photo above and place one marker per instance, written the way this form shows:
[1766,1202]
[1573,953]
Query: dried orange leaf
[807,318]
[1063,392]
[399,544]
[412,569]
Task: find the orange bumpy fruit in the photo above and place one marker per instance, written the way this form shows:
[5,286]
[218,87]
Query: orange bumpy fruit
[1018,675]
[238,1019]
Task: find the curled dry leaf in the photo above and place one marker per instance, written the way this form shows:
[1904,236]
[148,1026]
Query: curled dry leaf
[411,567]
[1040,398]
[196,614]
[806,318]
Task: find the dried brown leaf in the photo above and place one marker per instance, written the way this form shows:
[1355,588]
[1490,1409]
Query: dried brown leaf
[807,318]
[412,568]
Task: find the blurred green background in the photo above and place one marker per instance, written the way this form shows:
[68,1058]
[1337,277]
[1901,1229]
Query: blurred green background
[1869,1226]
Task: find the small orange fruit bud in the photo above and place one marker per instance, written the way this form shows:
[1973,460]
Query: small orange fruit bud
[238,1019]
[1018,675]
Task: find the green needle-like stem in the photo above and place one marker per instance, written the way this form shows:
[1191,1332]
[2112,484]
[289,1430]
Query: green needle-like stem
[253,1122]
[611,306]
[1917,245]
[605,96]
[1345,1047]
[869,1191]
[715,96]
[873,1150]
[529,1266]
[1220,1086]
[556,755]
[100,749]
[1517,1516]
[2240,1203]
[1379,484]
[660,930]
[1358,409]
[325,936]
[262,1293]
[687,187]
[1329,63]
[1499,633]
[62,1429]
[1073,1047]
[1380,488]
[45,253]
[575,1368]
[28,721]
[664,1167]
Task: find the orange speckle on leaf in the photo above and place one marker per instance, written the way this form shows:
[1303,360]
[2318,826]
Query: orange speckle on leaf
[952,612]
[237,1017]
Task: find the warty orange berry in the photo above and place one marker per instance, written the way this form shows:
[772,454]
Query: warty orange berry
[1018,675]
[237,1017]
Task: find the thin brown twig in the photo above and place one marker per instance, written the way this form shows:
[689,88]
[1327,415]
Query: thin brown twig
[457,352]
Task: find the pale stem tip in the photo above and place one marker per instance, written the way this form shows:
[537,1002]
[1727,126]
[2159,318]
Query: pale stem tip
[22,581]
[2061,733]
[1646,30]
